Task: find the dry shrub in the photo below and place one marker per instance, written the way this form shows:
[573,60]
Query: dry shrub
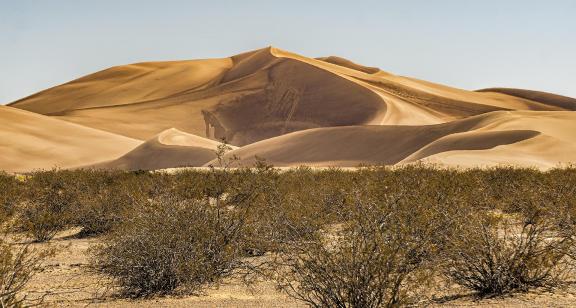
[10,196]
[287,208]
[495,253]
[170,245]
[109,197]
[17,267]
[50,200]
[379,258]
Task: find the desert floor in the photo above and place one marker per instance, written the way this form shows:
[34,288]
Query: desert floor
[66,281]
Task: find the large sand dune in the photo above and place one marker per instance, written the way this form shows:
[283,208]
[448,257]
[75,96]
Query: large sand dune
[293,110]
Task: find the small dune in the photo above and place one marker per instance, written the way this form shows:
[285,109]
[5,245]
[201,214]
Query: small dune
[170,149]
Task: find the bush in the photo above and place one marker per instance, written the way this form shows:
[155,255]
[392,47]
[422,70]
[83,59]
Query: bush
[50,200]
[379,258]
[171,245]
[496,253]
[109,198]
[17,267]
[365,238]
[288,208]
[10,197]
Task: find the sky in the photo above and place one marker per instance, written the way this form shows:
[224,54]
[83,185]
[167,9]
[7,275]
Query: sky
[467,44]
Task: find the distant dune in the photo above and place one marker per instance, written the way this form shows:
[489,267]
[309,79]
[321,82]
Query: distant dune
[290,110]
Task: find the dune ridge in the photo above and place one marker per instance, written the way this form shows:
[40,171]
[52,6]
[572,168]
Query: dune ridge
[292,110]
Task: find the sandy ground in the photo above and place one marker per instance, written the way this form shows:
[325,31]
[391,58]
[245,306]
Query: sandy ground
[65,281]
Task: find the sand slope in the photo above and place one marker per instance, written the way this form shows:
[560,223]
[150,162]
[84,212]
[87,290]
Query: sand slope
[169,149]
[32,141]
[529,138]
[126,84]
[297,110]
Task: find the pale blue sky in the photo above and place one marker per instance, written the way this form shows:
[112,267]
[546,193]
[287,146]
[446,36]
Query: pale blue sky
[468,44]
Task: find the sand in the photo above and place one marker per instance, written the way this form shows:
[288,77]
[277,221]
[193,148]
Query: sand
[294,110]
[31,141]
[169,149]
[66,281]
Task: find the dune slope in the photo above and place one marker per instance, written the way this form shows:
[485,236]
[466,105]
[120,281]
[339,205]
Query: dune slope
[560,101]
[169,149]
[31,141]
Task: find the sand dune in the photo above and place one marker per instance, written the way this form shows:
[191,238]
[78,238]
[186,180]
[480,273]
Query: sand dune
[171,148]
[297,110]
[258,95]
[31,141]
[510,132]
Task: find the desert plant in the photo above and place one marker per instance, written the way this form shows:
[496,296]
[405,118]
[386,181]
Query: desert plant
[169,245]
[50,197]
[379,258]
[495,253]
[109,197]
[11,195]
[17,266]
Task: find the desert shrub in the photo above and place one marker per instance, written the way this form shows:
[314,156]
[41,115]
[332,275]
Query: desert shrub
[189,184]
[108,197]
[17,266]
[170,245]
[291,206]
[10,196]
[496,253]
[379,258]
[50,200]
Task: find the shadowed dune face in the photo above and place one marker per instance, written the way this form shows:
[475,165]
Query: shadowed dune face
[297,96]
[286,108]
